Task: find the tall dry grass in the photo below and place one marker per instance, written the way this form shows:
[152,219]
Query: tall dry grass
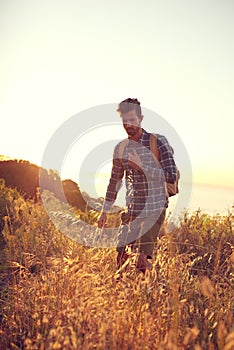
[58,294]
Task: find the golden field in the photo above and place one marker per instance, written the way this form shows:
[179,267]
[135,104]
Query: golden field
[58,294]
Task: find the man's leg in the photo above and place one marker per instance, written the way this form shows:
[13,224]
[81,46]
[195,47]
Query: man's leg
[129,231]
[146,243]
[142,234]
[123,240]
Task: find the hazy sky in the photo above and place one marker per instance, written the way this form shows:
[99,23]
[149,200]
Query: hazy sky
[176,56]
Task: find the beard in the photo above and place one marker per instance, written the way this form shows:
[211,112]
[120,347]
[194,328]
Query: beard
[132,130]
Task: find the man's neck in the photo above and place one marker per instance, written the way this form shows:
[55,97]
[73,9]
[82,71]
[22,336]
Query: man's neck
[137,136]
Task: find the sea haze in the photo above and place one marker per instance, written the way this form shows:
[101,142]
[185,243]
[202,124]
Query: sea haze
[209,198]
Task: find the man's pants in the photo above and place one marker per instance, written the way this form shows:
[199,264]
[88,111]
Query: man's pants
[140,233]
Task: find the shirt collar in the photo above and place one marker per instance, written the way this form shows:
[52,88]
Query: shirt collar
[143,136]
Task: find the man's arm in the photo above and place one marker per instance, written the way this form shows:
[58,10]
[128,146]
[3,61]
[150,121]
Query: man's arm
[102,220]
[113,187]
[166,159]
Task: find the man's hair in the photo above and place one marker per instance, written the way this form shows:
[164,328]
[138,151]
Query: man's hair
[128,105]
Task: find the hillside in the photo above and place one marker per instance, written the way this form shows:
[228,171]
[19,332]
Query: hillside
[24,176]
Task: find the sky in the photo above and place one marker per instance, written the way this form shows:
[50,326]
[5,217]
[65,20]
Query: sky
[59,58]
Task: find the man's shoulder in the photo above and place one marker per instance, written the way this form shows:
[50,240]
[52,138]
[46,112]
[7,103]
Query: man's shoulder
[119,147]
[159,137]
[163,144]
[121,142]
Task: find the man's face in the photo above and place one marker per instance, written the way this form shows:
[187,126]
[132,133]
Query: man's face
[131,122]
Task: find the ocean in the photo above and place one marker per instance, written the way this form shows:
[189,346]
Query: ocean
[208,198]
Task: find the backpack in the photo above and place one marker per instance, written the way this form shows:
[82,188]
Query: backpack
[172,188]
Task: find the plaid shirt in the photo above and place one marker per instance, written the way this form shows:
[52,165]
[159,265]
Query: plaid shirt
[145,189]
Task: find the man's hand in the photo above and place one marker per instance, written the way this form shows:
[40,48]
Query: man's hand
[134,160]
[102,220]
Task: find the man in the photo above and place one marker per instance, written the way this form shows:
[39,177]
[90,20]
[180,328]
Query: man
[145,178]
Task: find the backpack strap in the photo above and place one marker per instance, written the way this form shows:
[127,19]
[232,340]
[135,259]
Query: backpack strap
[171,189]
[154,146]
[122,146]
